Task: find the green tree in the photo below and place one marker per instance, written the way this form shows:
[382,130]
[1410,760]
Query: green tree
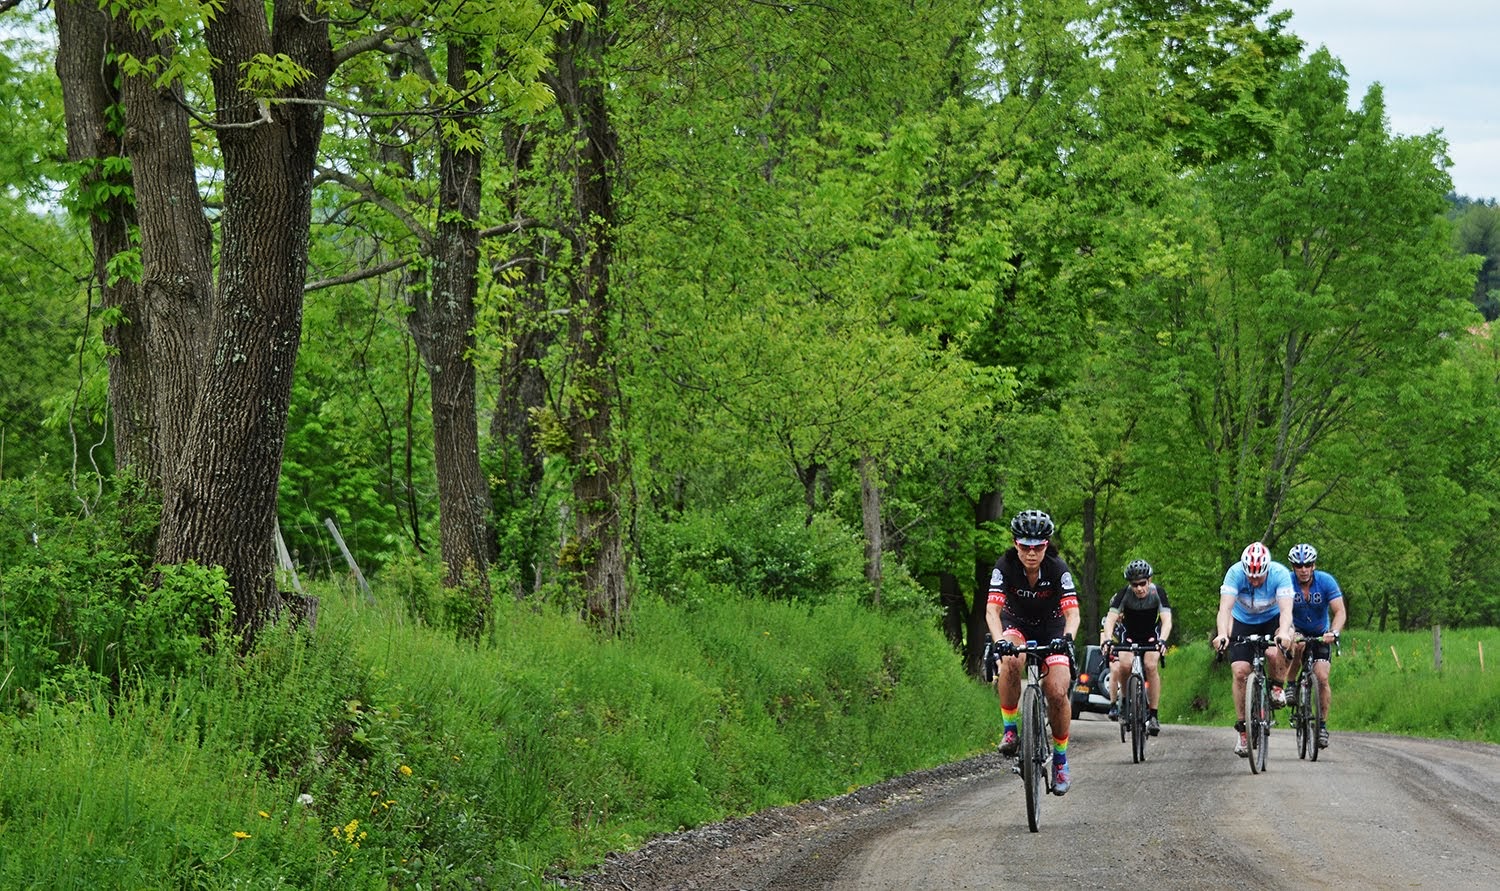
[1320,284]
[220,300]
[1477,231]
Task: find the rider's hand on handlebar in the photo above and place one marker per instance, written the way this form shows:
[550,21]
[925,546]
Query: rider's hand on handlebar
[1221,643]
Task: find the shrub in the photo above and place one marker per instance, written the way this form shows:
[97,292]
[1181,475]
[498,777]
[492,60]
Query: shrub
[753,546]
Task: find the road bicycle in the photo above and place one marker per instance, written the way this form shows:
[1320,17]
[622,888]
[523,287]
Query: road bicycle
[1135,708]
[1033,761]
[1258,720]
[1307,702]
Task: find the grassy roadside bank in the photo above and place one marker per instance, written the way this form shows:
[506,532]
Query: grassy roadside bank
[380,754]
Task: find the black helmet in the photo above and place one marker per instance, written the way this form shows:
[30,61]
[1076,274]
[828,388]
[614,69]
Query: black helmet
[1137,570]
[1031,527]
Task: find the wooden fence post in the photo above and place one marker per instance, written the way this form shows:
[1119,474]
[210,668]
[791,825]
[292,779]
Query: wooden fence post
[359,577]
[1437,647]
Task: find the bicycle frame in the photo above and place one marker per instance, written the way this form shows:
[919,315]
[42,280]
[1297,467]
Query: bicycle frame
[1307,705]
[1033,762]
[1258,720]
[1134,704]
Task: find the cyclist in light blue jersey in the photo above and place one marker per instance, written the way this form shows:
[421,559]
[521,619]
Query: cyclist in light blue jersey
[1255,598]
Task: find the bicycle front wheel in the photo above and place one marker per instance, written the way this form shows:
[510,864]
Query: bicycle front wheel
[1034,752]
[1257,705]
[1299,713]
[1138,712]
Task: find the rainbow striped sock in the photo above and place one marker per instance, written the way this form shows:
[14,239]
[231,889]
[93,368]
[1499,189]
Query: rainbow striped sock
[1009,716]
[1060,750]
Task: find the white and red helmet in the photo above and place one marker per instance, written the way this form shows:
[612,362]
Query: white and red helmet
[1256,558]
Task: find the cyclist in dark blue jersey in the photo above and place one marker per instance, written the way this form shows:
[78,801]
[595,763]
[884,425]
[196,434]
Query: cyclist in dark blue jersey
[1318,615]
[1031,597]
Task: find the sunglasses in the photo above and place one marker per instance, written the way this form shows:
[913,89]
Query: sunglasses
[1303,565]
[1140,584]
[1031,549]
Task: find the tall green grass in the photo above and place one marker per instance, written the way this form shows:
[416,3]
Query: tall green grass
[380,753]
[1384,682]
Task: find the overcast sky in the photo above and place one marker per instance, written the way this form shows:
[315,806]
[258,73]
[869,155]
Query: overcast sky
[1439,62]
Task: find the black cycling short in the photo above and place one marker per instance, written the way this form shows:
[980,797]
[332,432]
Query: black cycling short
[1243,652]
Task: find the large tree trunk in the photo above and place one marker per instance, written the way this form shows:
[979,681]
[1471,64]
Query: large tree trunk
[987,509]
[443,326]
[598,553]
[1089,591]
[157,340]
[220,507]
[522,386]
[88,77]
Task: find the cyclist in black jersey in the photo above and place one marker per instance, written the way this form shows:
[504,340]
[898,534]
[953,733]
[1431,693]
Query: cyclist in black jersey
[1032,598]
[1138,613]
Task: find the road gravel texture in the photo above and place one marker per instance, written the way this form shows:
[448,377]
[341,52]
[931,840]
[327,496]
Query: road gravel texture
[1374,811]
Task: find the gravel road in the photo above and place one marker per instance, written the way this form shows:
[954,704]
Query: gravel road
[1373,812]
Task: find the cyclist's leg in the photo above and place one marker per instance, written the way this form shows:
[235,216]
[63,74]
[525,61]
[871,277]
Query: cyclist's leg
[1056,684]
[1241,672]
[1321,670]
[1119,669]
[1276,672]
[1153,679]
[1008,684]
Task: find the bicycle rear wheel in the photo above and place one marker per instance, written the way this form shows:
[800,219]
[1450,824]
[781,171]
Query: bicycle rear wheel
[1314,715]
[1256,704]
[1300,724]
[1034,750]
[1122,702]
[1138,712]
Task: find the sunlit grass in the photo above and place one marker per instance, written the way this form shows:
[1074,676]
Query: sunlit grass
[1384,682]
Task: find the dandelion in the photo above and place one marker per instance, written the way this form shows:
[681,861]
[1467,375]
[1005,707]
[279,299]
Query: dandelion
[264,814]
[304,799]
[405,771]
[240,834]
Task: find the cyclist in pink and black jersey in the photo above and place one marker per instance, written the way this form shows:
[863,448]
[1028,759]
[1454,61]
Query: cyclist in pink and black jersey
[1031,597]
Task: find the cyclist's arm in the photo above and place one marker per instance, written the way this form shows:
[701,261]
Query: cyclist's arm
[1108,632]
[1336,615]
[1166,625]
[1071,620]
[992,618]
[1284,630]
[1225,622]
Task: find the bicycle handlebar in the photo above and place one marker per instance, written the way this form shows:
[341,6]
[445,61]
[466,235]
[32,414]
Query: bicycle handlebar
[1009,648]
[1265,641]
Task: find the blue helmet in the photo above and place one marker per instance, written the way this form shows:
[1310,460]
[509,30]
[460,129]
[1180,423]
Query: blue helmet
[1302,554]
